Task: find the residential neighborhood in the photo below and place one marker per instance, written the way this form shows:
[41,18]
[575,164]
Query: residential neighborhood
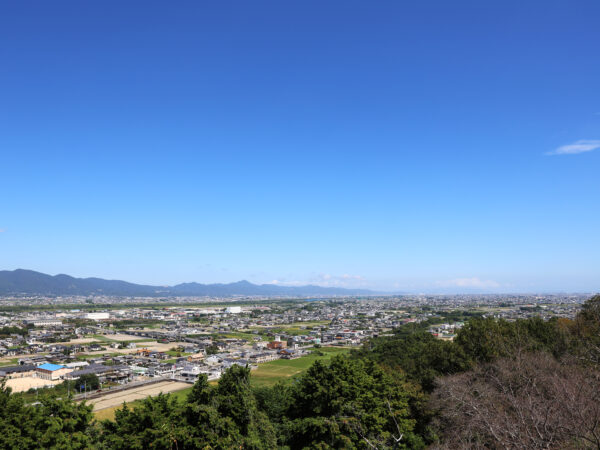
[124,344]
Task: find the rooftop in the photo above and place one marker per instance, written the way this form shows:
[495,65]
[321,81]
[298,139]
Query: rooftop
[50,367]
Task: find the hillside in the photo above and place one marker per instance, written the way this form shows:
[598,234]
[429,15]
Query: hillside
[22,281]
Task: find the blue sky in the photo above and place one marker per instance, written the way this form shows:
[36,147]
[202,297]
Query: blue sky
[426,146]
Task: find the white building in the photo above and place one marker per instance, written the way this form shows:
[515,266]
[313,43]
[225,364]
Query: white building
[97,316]
[42,322]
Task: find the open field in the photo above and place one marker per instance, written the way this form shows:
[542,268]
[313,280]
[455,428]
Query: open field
[26,383]
[239,335]
[11,359]
[111,351]
[85,340]
[9,362]
[150,345]
[271,372]
[86,356]
[138,393]
[161,347]
[296,328]
[120,337]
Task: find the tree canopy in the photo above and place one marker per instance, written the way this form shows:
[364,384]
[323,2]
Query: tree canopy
[52,423]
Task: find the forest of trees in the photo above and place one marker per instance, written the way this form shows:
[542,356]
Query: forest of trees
[499,384]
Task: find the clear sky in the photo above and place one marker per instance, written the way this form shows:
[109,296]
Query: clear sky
[407,146]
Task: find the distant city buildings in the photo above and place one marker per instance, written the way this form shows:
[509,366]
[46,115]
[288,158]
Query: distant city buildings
[181,339]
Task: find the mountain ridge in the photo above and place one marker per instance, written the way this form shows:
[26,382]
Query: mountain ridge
[23,281]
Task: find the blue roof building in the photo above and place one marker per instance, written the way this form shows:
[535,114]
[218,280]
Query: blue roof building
[50,367]
[51,371]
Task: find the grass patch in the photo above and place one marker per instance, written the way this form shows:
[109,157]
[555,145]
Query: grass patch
[11,362]
[271,372]
[182,394]
[107,339]
[293,329]
[177,354]
[108,413]
[135,341]
[100,337]
[84,357]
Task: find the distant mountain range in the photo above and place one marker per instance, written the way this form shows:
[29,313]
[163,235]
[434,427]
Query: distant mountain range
[22,281]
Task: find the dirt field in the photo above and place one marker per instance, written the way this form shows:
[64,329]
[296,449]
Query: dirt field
[26,383]
[124,337]
[80,341]
[10,359]
[161,347]
[149,345]
[130,395]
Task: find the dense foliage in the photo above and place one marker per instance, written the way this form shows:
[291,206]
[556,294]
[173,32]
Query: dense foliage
[222,417]
[344,404]
[52,423]
[421,356]
[7,331]
[349,404]
[87,382]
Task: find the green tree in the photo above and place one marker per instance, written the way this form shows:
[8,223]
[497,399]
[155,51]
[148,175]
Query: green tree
[349,404]
[274,401]
[153,424]
[88,381]
[53,423]
[485,340]
[225,416]
[212,350]
[234,399]
[585,332]
[420,355]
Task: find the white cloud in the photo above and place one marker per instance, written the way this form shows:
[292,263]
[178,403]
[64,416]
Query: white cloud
[326,280]
[580,146]
[287,283]
[469,283]
[344,280]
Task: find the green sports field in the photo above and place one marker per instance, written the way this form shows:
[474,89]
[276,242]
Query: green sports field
[271,372]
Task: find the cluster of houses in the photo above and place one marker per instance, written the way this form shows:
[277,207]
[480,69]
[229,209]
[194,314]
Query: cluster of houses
[143,363]
[446,331]
[69,371]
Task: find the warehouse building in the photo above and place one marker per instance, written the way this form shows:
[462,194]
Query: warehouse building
[51,371]
[17,371]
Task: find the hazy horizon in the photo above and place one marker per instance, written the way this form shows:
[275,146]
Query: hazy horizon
[432,291]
